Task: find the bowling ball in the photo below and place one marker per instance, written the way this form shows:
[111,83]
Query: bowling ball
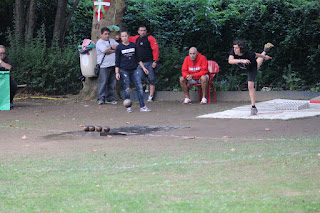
[86,128]
[98,128]
[127,103]
[91,128]
[106,129]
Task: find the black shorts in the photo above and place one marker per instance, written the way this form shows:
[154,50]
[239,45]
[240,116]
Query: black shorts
[252,75]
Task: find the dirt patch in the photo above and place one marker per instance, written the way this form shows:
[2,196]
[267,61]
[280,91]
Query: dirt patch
[24,129]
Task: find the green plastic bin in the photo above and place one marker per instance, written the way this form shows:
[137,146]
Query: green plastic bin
[4,90]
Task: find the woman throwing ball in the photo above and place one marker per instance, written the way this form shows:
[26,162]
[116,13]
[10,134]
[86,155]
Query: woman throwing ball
[126,69]
[250,61]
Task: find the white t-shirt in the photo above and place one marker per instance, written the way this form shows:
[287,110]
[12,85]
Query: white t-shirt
[110,59]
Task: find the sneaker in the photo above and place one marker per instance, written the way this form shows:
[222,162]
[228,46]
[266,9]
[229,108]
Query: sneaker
[268,46]
[100,101]
[203,101]
[145,109]
[186,101]
[111,102]
[254,111]
[150,99]
[129,109]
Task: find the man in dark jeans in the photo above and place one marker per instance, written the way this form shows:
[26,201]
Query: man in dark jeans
[6,64]
[148,52]
[106,57]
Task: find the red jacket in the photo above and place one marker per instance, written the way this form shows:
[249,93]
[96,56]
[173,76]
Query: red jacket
[151,43]
[197,68]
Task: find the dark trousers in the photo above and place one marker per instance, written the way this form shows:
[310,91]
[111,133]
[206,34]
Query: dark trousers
[13,89]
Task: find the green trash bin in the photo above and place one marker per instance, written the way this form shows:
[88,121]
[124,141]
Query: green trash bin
[4,90]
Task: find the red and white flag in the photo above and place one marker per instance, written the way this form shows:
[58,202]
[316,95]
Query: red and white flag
[100,8]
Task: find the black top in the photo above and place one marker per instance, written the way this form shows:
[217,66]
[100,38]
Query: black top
[126,56]
[6,60]
[144,50]
[251,56]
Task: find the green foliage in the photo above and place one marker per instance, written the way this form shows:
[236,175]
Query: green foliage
[291,78]
[293,26]
[81,22]
[48,70]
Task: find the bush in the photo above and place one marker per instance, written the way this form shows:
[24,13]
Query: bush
[293,26]
[48,70]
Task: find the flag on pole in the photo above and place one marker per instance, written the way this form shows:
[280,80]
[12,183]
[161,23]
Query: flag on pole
[100,8]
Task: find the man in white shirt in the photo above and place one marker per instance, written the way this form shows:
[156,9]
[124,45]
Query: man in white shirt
[106,57]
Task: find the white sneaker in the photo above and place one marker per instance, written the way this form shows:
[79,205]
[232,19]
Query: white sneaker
[100,101]
[150,99]
[147,88]
[129,109]
[114,102]
[187,101]
[203,101]
[145,109]
[111,102]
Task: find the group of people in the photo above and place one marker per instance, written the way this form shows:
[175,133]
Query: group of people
[195,69]
[135,58]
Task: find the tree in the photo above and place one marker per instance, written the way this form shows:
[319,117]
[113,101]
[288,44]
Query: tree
[19,19]
[117,9]
[30,20]
[61,21]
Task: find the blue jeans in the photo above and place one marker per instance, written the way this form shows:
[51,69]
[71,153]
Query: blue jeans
[107,83]
[125,77]
[151,77]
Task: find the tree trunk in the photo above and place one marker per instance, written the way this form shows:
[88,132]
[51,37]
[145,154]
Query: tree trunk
[90,85]
[30,20]
[19,20]
[59,21]
[65,27]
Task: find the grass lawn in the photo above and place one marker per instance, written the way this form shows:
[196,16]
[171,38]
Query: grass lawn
[271,175]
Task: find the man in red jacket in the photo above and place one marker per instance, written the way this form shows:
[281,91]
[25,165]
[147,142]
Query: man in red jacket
[194,70]
[147,51]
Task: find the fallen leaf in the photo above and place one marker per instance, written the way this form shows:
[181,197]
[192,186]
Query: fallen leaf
[26,145]
[81,125]
[192,137]
[97,185]
[73,119]
[11,125]
[85,105]
[109,136]
[87,99]
[226,136]
[128,122]
[267,129]
[24,137]
[94,150]
[233,149]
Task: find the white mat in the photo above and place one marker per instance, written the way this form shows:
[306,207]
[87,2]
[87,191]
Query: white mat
[267,110]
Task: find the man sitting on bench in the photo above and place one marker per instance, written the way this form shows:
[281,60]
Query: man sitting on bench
[194,70]
[6,64]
